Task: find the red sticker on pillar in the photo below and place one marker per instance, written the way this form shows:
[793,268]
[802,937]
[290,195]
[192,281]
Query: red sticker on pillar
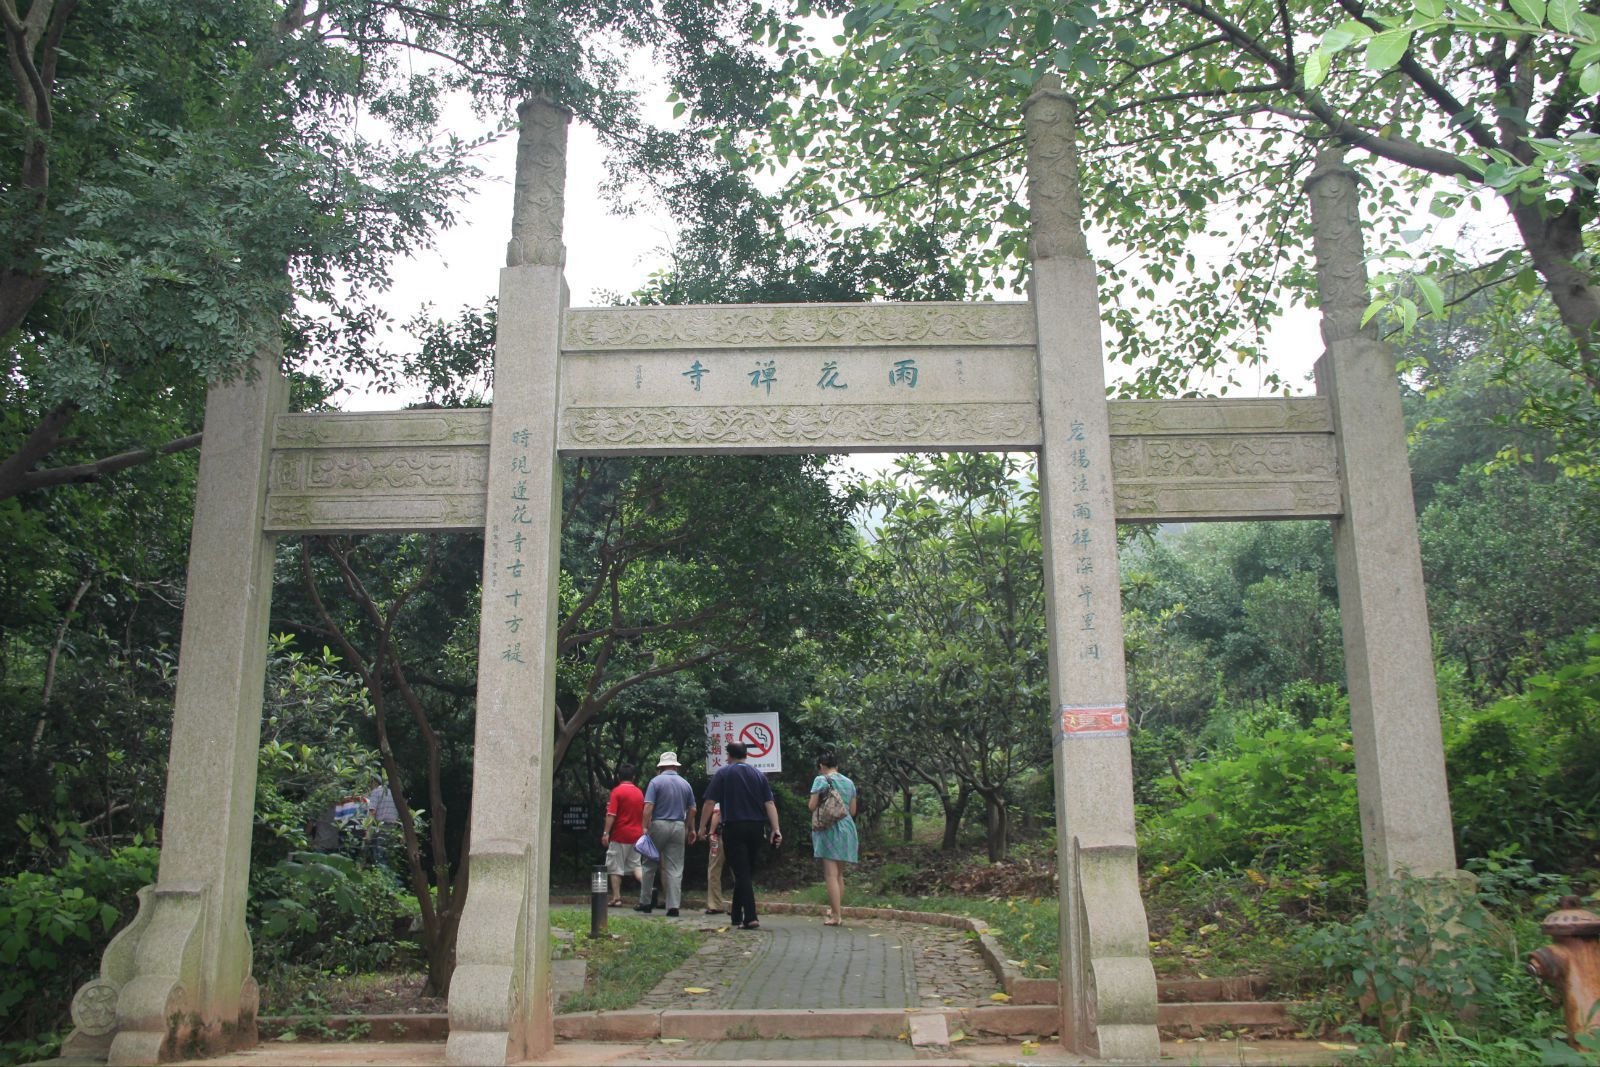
[1092,720]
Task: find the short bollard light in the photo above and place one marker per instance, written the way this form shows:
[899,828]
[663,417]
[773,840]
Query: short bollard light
[599,891]
[1571,966]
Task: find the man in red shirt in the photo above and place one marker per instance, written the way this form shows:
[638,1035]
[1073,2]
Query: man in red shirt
[624,826]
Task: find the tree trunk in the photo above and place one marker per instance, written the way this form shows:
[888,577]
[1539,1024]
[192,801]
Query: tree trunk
[953,813]
[1555,244]
[997,819]
[906,828]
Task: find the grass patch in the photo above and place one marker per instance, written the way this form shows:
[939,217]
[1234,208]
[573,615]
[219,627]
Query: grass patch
[628,963]
[1026,928]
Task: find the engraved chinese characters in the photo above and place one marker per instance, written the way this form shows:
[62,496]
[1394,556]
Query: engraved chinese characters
[515,540]
[820,377]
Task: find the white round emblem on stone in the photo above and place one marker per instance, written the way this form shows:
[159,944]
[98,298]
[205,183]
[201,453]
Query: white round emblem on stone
[94,1009]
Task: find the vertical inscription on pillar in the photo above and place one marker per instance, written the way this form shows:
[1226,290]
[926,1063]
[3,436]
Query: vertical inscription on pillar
[1088,557]
[512,541]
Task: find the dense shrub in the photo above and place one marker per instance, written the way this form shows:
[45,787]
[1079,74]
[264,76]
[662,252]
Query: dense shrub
[1439,966]
[328,910]
[53,926]
[1285,798]
[1525,771]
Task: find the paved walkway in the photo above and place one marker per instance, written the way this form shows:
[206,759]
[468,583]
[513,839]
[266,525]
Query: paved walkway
[794,961]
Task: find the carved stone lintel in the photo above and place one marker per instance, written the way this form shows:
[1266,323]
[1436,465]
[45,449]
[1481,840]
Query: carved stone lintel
[778,325]
[1341,258]
[1260,457]
[540,186]
[1305,414]
[818,427]
[1050,121]
[378,429]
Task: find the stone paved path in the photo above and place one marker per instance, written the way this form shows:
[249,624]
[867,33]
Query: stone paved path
[794,961]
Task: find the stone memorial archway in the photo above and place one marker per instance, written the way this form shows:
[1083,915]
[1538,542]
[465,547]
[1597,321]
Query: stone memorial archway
[759,378]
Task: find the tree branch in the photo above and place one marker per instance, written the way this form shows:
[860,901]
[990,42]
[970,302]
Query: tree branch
[97,469]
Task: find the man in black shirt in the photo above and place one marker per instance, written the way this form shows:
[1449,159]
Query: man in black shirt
[747,804]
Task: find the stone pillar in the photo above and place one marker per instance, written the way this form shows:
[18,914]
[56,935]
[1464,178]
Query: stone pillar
[1394,708]
[500,1006]
[1108,987]
[177,979]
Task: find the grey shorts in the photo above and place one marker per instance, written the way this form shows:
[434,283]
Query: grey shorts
[623,859]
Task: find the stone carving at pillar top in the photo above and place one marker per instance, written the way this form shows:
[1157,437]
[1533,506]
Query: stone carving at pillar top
[1341,259]
[540,186]
[1050,121]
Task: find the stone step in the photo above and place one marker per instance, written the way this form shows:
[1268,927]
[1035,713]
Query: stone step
[1009,1020]
[1249,987]
[1224,1013]
[1191,990]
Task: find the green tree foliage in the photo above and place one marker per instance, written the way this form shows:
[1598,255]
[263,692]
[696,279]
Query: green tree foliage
[1249,607]
[1200,118]
[954,682]
[1511,565]
[670,565]
[176,182]
[1525,771]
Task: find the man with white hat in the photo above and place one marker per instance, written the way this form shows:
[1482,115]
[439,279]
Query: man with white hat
[669,810]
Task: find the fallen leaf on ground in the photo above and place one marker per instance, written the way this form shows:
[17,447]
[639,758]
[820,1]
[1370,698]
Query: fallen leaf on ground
[670,1040]
[695,989]
[1002,997]
[959,1035]
[1334,1047]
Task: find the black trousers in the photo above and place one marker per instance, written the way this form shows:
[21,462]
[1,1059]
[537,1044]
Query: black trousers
[743,840]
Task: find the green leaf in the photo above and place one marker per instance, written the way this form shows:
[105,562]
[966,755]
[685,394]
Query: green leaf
[1563,14]
[1431,9]
[1386,48]
[1432,294]
[1316,70]
[1531,11]
[1344,35]
[1589,80]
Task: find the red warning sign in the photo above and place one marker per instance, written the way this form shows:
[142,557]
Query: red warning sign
[757,732]
[1094,720]
[758,736]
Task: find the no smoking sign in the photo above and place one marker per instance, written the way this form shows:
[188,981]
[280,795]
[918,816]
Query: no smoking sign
[758,733]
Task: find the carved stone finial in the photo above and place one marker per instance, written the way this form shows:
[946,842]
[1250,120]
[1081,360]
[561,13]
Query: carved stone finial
[540,186]
[1336,238]
[1050,121]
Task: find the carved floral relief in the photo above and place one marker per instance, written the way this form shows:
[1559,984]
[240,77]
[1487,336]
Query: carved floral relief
[815,324]
[887,424]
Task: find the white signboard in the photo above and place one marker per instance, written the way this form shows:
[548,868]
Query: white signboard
[758,733]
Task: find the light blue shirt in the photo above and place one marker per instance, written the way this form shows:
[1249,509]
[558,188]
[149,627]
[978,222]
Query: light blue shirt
[671,795]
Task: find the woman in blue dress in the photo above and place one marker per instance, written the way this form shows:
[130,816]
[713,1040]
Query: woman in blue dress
[838,844]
